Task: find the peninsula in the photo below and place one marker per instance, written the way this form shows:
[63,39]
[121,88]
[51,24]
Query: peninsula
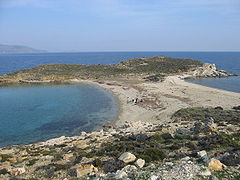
[166,128]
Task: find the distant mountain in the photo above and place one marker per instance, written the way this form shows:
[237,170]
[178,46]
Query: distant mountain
[7,49]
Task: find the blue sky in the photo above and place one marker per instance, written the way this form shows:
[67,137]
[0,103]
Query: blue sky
[122,25]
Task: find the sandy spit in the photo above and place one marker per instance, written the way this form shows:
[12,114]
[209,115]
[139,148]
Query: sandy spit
[162,99]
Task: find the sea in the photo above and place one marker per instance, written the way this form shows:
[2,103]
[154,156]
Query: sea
[40,112]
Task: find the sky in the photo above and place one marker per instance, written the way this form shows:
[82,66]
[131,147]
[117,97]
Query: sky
[121,25]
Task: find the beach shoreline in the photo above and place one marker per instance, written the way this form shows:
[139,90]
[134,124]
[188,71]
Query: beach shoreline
[184,94]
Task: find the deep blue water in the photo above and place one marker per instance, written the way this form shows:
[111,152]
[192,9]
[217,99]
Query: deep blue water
[35,113]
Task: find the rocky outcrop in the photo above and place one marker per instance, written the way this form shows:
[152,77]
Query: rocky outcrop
[208,70]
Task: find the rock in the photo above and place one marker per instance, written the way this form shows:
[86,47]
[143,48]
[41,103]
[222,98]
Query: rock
[112,165]
[68,157]
[206,172]
[215,165]
[208,126]
[129,168]
[18,171]
[121,175]
[169,163]
[185,158]
[232,159]
[140,163]
[202,153]
[87,169]
[127,157]
[153,177]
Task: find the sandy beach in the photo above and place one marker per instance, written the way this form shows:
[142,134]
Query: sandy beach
[161,100]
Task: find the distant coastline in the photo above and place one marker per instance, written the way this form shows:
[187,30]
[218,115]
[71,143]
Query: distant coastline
[17,49]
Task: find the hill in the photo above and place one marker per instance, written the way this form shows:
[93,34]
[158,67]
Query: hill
[7,49]
[141,67]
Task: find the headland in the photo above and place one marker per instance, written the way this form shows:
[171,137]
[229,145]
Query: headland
[166,123]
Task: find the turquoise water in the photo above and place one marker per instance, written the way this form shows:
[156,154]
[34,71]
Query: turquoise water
[35,113]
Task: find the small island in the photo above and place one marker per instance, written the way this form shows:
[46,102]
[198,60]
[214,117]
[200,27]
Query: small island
[166,125]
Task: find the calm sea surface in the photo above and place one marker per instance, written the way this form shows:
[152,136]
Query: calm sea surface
[35,113]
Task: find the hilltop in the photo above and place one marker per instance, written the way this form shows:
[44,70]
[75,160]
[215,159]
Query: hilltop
[8,49]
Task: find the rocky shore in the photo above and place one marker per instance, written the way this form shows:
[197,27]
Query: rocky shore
[167,129]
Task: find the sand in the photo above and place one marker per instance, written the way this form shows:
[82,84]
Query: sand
[162,99]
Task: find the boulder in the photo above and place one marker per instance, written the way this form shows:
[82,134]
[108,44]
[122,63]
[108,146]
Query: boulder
[87,169]
[68,157]
[202,153]
[127,157]
[120,175]
[205,172]
[215,165]
[129,168]
[140,163]
[18,171]
[153,177]
[187,158]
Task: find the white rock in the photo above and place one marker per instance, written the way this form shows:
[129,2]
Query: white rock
[121,175]
[140,163]
[185,158]
[169,163]
[127,157]
[202,153]
[206,172]
[153,177]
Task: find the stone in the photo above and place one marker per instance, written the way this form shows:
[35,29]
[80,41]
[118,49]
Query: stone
[127,157]
[215,165]
[68,157]
[169,163]
[185,158]
[120,174]
[202,153]
[140,163]
[87,169]
[205,172]
[153,177]
[129,168]
[83,133]
[18,171]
